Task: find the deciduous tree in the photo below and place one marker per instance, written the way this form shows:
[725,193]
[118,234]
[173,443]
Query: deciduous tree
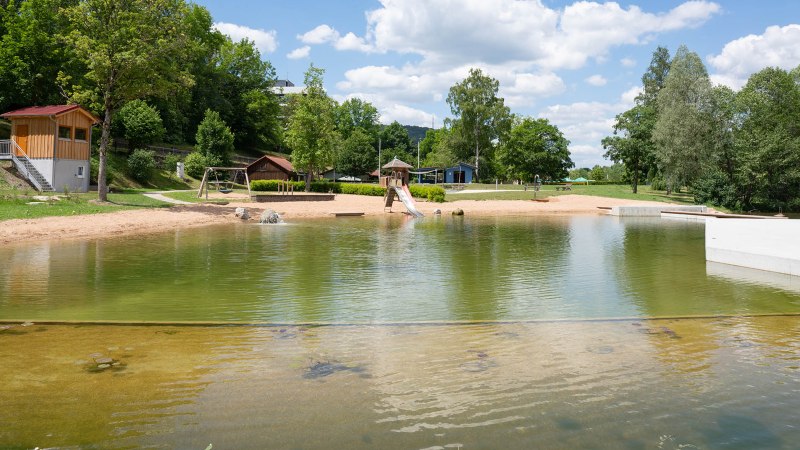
[535,147]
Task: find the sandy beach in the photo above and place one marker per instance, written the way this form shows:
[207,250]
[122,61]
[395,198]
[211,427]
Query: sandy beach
[143,221]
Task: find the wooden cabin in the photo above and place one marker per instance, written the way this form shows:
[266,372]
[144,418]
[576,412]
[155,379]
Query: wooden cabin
[271,168]
[51,146]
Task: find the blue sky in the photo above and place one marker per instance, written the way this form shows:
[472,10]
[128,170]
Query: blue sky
[576,63]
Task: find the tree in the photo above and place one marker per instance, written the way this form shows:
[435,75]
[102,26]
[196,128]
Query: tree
[312,133]
[140,124]
[682,132]
[483,115]
[215,139]
[357,155]
[535,147]
[631,144]
[768,140]
[132,50]
[396,143]
[598,173]
[31,55]
[355,114]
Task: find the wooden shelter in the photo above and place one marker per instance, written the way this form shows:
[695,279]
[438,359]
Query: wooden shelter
[270,167]
[51,145]
[399,173]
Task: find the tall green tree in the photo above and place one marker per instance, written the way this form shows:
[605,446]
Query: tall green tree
[139,123]
[355,114]
[31,54]
[131,49]
[312,133]
[358,155]
[768,140]
[396,143]
[215,139]
[483,115]
[535,147]
[682,132]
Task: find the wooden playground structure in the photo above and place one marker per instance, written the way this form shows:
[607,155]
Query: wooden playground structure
[225,185]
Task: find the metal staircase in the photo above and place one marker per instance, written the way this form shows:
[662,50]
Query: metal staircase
[25,167]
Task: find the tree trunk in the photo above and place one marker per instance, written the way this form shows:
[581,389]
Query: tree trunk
[475,178]
[308,180]
[635,180]
[102,188]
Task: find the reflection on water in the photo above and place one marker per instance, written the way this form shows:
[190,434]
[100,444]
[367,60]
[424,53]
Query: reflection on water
[442,333]
[707,383]
[383,270]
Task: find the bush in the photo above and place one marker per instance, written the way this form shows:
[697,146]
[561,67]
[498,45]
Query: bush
[170,162]
[272,185]
[430,193]
[195,165]
[363,189]
[141,164]
[94,170]
[141,124]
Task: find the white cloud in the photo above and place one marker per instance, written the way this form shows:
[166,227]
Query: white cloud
[299,53]
[405,115]
[319,35]
[352,42]
[627,62]
[265,41]
[777,46]
[597,80]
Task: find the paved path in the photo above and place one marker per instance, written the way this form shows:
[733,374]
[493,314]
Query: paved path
[160,196]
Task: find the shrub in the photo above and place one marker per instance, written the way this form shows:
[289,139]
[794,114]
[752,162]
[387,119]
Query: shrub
[272,185]
[214,138]
[430,193]
[141,124]
[195,165]
[94,170]
[170,162]
[363,189]
[141,164]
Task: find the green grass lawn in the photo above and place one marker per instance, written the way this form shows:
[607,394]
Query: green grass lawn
[517,192]
[15,204]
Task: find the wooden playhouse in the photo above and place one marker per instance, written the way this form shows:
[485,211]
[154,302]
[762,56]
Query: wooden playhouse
[51,146]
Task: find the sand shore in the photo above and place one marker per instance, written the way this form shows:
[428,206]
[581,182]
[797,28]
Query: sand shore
[144,221]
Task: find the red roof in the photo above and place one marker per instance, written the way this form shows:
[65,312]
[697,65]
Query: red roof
[51,110]
[283,163]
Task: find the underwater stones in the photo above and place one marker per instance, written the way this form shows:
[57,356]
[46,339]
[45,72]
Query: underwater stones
[101,363]
[458,212]
[437,212]
[321,369]
[269,216]
[242,213]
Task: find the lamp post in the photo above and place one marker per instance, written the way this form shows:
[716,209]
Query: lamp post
[419,175]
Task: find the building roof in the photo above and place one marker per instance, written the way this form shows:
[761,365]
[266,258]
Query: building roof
[283,163]
[462,164]
[397,164]
[50,110]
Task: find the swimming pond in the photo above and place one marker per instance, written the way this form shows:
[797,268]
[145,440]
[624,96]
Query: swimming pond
[547,332]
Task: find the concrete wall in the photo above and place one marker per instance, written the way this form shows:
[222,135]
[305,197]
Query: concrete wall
[66,174]
[772,245]
[45,167]
[653,211]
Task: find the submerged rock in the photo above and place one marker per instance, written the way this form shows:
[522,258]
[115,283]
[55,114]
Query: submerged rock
[458,212]
[270,216]
[322,369]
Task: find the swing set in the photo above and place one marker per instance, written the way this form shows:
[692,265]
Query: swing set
[230,176]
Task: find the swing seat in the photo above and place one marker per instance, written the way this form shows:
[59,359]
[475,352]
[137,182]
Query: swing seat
[225,190]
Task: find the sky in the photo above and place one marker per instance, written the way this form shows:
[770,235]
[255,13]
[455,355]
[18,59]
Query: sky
[576,63]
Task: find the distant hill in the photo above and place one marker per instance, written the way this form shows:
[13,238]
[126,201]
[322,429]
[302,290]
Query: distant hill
[415,132]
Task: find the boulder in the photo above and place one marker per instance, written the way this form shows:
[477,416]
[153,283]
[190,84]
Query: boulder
[458,212]
[269,216]
[242,213]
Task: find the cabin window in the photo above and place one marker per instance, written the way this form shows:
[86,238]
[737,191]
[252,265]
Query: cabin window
[80,172]
[64,132]
[80,134]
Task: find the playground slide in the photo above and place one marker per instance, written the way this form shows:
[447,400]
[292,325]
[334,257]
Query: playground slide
[405,196]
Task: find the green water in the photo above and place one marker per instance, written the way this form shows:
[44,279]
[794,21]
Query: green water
[385,270]
[518,333]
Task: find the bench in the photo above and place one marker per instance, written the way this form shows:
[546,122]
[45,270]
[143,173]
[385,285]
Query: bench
[566,187]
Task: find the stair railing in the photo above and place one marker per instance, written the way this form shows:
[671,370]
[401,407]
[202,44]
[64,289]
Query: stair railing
[29,172]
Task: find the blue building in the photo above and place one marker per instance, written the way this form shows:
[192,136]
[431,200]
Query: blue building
[459,174]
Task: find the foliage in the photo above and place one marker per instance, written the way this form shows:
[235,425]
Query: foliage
[132,49]
[357,155]
[355,114]
[140,124]
[170,162]
[682,130]
[396,143]
[311,132]
[94,170]
[195,165]
[483,115]
[214,139]
[431,193]
[598,173]
[141,164]
[535,147]
[31,55]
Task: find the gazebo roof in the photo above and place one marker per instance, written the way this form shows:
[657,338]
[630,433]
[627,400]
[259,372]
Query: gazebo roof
[397,164]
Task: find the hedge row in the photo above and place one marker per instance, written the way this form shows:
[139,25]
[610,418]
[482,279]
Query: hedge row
[431,193]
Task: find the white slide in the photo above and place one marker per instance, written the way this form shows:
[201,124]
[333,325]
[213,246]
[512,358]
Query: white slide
[405,196]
